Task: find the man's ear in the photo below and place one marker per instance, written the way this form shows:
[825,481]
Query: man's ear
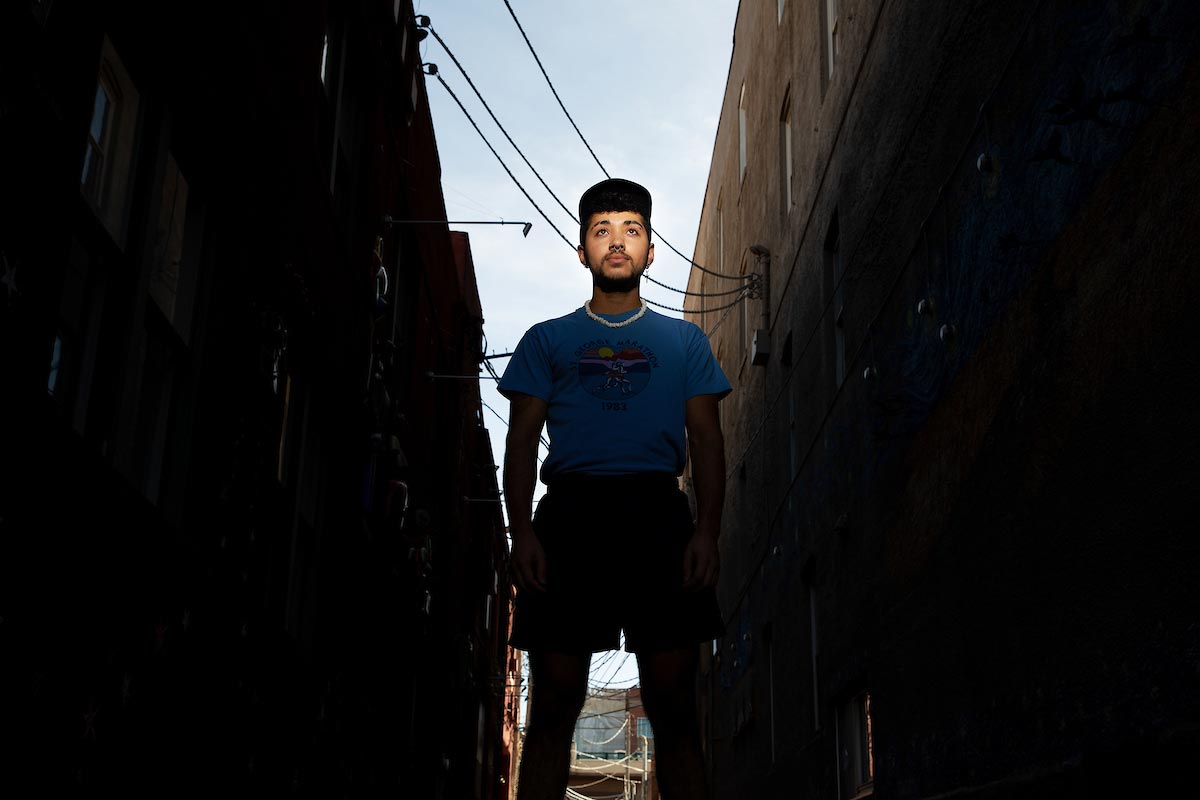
[650,255]
[581,254]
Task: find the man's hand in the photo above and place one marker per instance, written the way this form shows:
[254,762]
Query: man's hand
[701,562]
[702,559]
[528,562]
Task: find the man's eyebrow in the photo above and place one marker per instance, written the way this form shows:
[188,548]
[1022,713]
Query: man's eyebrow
[600,222]
[634,222]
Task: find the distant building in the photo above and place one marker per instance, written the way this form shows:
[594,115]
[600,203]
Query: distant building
[250,533]
[961,453]
[612,753]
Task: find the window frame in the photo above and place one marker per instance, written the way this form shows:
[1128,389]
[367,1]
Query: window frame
[743,135]
[854,730]
[787,162]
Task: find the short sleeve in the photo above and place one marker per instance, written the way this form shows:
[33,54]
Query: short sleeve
[529,370]
[704,375]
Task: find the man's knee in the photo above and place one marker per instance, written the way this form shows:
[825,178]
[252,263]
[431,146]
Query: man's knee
[669,693]
[558,689]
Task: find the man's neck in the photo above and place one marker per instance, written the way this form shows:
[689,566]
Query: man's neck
[615,302]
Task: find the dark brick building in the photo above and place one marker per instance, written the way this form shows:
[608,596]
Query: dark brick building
[250,538]
[962,444]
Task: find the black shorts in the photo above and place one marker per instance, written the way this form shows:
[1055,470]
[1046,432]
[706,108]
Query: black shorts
[614,560]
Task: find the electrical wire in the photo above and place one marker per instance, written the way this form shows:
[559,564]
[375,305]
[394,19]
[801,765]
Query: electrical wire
[549,83]
[617,733]
[458,64]
[745,293]
[574,795]
[697,294]
[597,688]
[599,780]
[552,89]
[728,309]
[541,439]
[471,83]
[556,198]
[492,371]
[606,763]
[446,86]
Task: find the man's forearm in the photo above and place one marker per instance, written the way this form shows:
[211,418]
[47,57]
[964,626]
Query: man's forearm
[520,468]
[708,480]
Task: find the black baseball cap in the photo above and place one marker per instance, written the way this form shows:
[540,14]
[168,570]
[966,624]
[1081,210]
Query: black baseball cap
[627,196]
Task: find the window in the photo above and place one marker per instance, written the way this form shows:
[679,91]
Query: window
[325,60]
[770,685]
[742,134]
[856,759]
[720,236]
[808,575]
[644,729]
[834,281]
[831,36]
[793,450]
[785,154]
[108,154]
[743,323]
[99,140]
[55,365]
[168,240]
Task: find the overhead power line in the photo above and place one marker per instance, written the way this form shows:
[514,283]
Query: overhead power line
[542,180]
[471,83]
[552,89]
[741,278]
[698,294]
[470,119]
[549,83]
[492,371]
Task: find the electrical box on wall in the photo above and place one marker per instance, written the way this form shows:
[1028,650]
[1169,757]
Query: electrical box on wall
[760,351]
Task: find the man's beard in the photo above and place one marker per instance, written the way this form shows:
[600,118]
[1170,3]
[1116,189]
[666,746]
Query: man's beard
[610,285]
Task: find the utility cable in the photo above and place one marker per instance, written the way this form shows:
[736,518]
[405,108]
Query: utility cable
[546,186]
[471,83]
[705,270]
[745,293]
[574,795]
[492,370]
[599,780]
[589,148]
[695,294]
[728,308]
[617,733]
[552,89]
[446,86]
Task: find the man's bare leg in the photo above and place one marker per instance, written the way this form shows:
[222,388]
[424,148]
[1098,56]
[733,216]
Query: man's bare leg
[559,683]
[668,681]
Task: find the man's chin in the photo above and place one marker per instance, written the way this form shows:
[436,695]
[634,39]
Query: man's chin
[611,285]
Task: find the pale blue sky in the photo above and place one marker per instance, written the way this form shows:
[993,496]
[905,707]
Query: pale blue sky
[644,84]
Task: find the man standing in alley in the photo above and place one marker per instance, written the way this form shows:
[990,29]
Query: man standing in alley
[625,394]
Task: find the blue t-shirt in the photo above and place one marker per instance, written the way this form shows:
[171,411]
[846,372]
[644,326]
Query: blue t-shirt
[615,396]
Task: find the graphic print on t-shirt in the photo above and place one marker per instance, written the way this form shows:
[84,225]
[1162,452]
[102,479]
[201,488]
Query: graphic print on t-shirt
[614,373]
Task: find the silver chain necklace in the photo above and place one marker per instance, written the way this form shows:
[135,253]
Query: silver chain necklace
[587,307]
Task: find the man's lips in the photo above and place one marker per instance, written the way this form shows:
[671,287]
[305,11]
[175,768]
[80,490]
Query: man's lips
[617,257]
